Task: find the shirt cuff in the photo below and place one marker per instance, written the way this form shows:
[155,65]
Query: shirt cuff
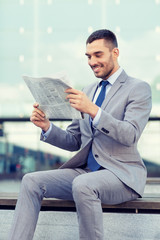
[97,118]
[46,134]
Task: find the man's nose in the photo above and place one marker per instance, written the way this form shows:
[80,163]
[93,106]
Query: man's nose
[92,62]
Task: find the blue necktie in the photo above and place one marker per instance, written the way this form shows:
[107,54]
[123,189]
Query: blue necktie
[91,162]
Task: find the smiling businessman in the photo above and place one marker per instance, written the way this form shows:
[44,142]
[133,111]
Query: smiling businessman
[108,168]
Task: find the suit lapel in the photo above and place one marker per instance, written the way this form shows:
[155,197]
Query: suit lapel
[92,90]
[118,83]
[90,93]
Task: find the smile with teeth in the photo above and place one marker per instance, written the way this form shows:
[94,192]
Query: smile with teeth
[96,68]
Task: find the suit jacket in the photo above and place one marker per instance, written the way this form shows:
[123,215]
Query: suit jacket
[125,112]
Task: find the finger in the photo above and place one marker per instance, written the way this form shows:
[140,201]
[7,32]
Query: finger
[36,105]
[79,95]
[37,110]
[38,115]
[36,118]
[73,96]
[73,91]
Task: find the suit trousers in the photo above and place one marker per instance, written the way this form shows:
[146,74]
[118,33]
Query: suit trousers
[88,190]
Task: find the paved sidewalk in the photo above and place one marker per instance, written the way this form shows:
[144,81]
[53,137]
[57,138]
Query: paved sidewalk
[64,226]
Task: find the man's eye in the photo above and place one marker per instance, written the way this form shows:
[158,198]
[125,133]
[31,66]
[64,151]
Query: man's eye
[98,55]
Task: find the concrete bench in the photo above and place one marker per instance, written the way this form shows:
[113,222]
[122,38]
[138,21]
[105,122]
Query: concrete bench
[147,204]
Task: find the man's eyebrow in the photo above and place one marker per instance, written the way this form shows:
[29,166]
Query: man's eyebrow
[98,52]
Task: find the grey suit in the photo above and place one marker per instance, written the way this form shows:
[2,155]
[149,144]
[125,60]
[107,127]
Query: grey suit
[114,142]
[125,113]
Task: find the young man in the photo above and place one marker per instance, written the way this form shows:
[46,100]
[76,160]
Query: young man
[108,168]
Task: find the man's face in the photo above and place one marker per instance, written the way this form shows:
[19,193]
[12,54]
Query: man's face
[101,59]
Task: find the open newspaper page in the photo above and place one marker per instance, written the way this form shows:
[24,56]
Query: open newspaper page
[49,93]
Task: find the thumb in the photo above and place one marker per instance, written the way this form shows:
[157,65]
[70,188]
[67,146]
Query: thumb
[36,105]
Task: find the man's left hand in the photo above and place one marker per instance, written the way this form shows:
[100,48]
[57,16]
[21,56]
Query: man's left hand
[81,102]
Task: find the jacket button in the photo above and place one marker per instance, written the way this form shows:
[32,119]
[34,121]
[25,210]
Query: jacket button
[104,130]
[96,156]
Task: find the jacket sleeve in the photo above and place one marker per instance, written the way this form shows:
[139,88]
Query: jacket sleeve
[69,139]
[128,129]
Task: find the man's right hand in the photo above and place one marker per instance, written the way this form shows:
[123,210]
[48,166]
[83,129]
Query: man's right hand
[39,119]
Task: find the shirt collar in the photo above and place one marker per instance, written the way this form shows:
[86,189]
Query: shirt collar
[114,76]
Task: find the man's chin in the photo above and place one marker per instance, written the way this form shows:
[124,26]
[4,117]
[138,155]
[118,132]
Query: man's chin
[98,75]
[102,76]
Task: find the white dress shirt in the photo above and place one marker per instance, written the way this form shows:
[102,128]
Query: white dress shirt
[111,81]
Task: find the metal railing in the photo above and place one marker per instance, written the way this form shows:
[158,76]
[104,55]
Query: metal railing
[29,135]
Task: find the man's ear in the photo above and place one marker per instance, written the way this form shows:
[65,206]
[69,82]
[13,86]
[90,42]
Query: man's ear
[115,52]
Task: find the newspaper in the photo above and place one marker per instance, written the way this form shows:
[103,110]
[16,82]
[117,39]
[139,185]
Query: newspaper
[49,93]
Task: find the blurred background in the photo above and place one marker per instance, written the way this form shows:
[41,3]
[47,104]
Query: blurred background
[46,37]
